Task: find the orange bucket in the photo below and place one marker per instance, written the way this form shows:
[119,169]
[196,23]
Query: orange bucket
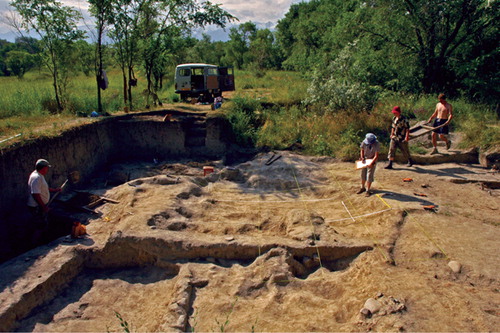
[207,170]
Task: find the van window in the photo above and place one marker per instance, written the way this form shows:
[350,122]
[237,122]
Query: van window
[197,71]
[184,72]
[226,70]
[212,71]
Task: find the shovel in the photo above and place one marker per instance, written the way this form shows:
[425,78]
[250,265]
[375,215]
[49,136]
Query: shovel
[74,177]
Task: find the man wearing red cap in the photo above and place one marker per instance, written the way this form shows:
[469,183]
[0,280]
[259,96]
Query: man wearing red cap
[400,134]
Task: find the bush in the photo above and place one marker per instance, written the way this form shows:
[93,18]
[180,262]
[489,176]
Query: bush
[244,115]
[282,127]
[342,95]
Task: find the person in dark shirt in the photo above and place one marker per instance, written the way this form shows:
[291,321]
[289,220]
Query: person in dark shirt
[400,134]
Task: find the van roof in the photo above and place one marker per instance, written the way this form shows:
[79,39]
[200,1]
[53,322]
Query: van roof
[196,65]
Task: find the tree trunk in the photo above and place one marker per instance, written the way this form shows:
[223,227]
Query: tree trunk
[56,88]
[130,71]
[148,77]
[125,87]
[99,71]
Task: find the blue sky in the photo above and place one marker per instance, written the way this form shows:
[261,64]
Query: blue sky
[265,13]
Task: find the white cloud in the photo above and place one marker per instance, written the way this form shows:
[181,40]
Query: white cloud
[256,10]
[262,12]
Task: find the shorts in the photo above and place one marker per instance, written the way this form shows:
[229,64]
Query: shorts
[442,130]
[368,174]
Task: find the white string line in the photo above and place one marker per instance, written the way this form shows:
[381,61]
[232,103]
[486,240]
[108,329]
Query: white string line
[326,221]
[354,220]
[359,216]
[259,191]
[275,201]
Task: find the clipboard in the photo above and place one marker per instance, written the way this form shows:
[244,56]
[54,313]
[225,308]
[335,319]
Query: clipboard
[361,165]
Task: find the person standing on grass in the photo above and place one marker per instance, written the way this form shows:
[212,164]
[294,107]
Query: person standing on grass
[443,115]
[400,135]
[369,151]
[39,197]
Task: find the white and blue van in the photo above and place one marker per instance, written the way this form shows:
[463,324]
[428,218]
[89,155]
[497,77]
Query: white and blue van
[203,81]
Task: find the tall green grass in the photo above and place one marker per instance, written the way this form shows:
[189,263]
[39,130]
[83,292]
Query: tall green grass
[338,135]
[265,110]
[22,97]
[27,105]
[33,95]
[276,87]
[319,131]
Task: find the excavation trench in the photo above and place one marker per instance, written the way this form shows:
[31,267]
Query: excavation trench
[94,149]
[182,264]
[159,224]
[181,232]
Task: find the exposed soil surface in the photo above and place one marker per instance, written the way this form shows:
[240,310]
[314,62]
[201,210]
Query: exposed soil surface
[280,243]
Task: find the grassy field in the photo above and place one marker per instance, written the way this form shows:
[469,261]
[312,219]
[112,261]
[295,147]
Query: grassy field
[27,105]
[267,109]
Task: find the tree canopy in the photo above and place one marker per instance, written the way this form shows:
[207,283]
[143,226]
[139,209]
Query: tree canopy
[413,46]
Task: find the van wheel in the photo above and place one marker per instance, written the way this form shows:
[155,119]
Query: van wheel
[184,97]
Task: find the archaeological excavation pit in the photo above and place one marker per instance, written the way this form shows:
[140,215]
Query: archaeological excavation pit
[162,231]
[197,235]
[169,232]
[265,242]
[130,277]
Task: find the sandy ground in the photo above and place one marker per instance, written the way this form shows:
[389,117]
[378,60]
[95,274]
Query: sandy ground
[294,202]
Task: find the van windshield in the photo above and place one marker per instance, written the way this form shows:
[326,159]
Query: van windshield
[197,71]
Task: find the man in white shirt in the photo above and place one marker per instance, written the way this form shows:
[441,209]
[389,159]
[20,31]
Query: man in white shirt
[39,194]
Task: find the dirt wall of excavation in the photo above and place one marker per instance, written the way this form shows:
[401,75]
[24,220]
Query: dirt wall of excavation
[91,148]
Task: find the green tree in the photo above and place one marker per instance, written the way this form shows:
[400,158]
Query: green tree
[5,47]
[84,57]
[28,44]
[55,24]
[301,32]
[161,18]
[206,51]
[125,34]
[433,31]
[263,51]
[19,62]
[239,43]
[410,45]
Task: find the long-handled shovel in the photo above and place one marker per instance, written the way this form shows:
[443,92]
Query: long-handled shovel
[74,177]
